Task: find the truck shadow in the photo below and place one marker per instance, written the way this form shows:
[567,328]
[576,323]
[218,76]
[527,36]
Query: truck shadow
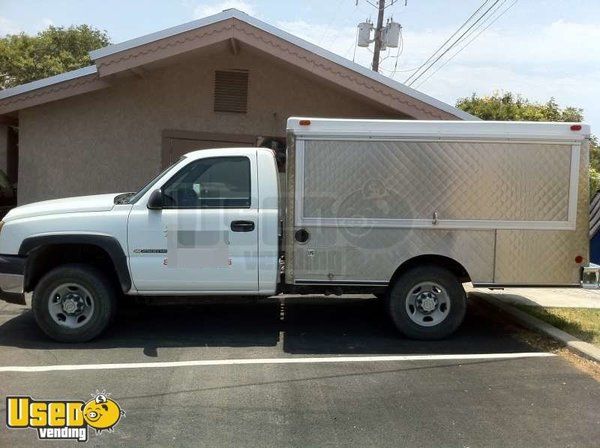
[302,325]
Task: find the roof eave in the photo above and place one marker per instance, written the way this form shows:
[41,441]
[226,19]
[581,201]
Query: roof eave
[173,31]
[46,82]
[110,50]
[239,15]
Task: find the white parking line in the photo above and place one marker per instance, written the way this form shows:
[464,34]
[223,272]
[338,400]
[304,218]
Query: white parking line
[291,360]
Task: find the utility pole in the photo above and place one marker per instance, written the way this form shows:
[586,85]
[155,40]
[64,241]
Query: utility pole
[378,36]
[386,36]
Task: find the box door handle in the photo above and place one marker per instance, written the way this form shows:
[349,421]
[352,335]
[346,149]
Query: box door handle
[242,226]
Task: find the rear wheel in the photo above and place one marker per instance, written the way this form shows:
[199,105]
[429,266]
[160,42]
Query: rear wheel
[427,302]
[73,303]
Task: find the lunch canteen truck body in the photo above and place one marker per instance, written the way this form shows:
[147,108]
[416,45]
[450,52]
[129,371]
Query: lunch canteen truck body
[405,210]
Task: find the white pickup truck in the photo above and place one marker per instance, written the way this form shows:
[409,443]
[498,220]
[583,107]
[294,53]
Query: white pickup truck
[404,210]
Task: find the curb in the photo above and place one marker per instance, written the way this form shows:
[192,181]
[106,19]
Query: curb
[574,344]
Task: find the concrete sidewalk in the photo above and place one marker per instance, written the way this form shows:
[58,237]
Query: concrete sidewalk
[546,297]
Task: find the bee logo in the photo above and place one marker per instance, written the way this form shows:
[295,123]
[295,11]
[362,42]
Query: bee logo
[102,413]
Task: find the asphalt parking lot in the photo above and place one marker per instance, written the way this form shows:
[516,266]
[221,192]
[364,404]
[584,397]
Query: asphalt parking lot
[453,399]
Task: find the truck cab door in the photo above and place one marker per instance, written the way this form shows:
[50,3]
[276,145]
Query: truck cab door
[204,237]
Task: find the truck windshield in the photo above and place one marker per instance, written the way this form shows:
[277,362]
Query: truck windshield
[133,199]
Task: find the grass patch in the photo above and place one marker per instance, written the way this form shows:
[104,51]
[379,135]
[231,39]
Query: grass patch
[584,323]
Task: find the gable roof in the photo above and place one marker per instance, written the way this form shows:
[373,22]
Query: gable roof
[45,82]
[86,79]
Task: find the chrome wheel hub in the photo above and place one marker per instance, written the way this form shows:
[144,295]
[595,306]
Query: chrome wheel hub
[73,304]
[427,304]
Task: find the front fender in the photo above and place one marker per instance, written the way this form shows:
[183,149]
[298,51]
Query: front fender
[108,243]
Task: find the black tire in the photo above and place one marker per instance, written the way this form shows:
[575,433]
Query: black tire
[408,283]
[95,282]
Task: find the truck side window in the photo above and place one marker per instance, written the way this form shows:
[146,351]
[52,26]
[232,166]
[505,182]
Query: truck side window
[217,182]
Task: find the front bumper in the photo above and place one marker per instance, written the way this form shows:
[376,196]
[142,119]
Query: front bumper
[12,276]
[590,276]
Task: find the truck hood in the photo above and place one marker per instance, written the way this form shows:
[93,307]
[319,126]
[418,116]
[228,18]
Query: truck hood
[95,203]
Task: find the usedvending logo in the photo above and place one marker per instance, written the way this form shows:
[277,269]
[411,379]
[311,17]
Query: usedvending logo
[64,419]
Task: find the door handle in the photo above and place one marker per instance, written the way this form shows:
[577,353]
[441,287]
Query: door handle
[242,226]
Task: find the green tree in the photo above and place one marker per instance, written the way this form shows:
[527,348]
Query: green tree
[508,106]
[594,166]
[25,58]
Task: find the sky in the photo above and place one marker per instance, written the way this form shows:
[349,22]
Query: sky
[538,48]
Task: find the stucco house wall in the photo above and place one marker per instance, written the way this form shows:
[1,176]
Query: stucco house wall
[3,147]
[110,140]
[103,128]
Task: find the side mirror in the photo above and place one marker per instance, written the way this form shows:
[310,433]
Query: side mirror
[155,202]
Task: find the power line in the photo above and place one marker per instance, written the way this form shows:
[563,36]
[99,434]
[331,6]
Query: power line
[355,45]
[449,39]
[485,13]
[398,54]
[469,42]
[489,14]
[414,77]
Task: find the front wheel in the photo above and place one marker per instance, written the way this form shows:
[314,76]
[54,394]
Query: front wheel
[73,303]
[427,302]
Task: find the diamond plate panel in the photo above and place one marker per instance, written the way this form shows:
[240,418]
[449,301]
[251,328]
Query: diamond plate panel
[460,180]
[547,257]
[373,254]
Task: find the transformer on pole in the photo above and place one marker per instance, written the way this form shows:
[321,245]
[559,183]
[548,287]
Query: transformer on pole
[383,37]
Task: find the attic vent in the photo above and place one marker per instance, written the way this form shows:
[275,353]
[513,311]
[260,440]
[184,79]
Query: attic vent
[231,91]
